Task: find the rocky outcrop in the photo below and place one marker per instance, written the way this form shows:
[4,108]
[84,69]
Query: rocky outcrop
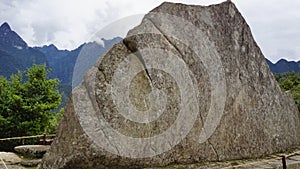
[10,158]
[188,85]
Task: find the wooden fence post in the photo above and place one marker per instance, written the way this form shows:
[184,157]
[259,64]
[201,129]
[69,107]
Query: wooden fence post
[44,139]
[283,162]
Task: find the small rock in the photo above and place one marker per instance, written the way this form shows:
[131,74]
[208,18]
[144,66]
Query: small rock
[31,163]
[32,151]
[9,158]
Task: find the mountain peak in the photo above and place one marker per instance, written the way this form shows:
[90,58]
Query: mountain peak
[51,46]
[5,27]
[10,38]
[283,66]
[282,61]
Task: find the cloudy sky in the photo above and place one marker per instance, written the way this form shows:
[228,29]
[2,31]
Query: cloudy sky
[67,23]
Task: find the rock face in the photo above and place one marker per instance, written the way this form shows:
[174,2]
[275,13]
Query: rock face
[188,85]
[10,158]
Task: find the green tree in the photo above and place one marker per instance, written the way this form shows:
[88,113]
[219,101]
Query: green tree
[290,81]
[25,105]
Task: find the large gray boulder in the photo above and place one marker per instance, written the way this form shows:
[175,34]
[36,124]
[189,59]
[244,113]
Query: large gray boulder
[188,85]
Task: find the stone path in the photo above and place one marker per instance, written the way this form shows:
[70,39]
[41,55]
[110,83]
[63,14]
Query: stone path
[271,162]
[12,161]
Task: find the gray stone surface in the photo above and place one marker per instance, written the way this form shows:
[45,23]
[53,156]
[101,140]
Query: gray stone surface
[32,151]
[11,167]
[270,162]
[31,163]
[10,158]
[202,67]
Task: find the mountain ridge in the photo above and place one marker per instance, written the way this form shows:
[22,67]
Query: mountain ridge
[15,51]
[16,55]
[282,66]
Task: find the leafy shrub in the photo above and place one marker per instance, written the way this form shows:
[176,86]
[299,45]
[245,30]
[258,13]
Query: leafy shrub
[290,81]
[25,105]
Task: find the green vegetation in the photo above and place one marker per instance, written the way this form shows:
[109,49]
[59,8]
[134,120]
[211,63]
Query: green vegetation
[26,105]
[290,81]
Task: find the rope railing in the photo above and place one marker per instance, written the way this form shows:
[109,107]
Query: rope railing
[26,137]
